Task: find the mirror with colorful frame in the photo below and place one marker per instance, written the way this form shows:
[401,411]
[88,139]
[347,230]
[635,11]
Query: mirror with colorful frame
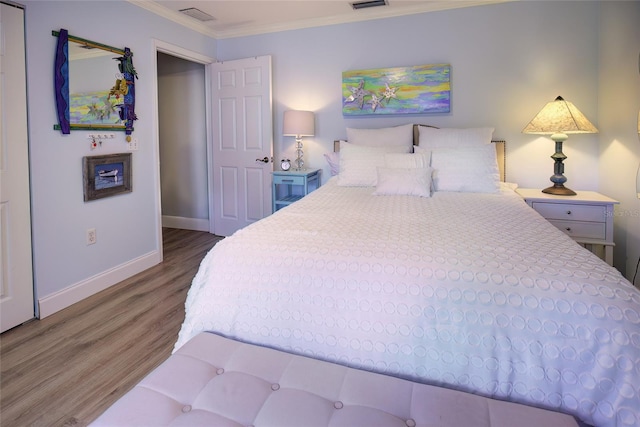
[94,90]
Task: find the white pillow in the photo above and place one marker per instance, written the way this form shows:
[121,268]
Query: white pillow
[385,137]
[470,169]
[404,181]
[333,160]
[453,138]
[358,164]
[408,160]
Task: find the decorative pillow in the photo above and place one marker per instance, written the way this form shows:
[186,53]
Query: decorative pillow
[404,181]
[470,169]
[358,164]
[385,137]
[453,138]
[333,159]
[409,160]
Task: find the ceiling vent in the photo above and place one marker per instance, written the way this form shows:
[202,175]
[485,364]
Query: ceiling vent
[368,3]
[198,14]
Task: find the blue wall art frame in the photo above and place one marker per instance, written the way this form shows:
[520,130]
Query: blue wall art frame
[123,91]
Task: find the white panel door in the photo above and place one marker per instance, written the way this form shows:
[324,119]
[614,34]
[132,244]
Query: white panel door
[242,140]
[16,274]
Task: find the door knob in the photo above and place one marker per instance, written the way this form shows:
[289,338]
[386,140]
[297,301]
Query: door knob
[265,160]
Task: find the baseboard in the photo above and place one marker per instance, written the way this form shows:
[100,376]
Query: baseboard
[195,224]
[81,290]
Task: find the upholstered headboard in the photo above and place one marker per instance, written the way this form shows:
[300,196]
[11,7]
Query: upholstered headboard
[499,144]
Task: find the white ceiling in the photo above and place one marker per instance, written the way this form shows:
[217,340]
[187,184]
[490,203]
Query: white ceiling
[234,18]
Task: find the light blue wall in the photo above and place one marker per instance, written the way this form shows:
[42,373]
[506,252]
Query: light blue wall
[619,104]
[507,61]
[126,224]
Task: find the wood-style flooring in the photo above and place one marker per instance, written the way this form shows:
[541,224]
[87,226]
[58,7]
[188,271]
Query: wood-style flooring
[66,369]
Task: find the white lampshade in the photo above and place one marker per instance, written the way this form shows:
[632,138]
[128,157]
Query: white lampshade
[559,116]
[298,123]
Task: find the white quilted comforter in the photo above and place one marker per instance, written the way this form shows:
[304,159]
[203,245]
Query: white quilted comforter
[474,292]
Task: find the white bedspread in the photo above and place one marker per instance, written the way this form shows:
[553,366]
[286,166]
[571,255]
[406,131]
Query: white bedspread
[474,292]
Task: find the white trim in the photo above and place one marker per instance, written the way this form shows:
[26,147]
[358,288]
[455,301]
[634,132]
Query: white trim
[252,29]
[195,224]
[180,52]
[208,87]
[155,139]
[88,287]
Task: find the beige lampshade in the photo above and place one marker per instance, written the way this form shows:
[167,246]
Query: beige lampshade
[298,123]
[560,116]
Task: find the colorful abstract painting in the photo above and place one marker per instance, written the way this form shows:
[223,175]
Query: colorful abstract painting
[94,108]
[398,90]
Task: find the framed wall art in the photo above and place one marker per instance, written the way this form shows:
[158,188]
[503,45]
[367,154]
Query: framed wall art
[106,175]
[399,90]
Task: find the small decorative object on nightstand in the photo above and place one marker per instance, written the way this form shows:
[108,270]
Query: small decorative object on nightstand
[291,186]
[586,217]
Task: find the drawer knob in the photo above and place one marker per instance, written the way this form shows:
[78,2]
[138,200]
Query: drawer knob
[568,212]
[568,228]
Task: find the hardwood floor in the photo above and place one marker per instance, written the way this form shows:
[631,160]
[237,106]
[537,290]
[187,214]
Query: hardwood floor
[66,369]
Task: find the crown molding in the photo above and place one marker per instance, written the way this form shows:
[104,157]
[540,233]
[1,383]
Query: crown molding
[357,16]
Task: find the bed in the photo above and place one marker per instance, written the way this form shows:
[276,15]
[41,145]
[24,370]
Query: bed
[435,272]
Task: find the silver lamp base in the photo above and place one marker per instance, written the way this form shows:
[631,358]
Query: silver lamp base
[299,162]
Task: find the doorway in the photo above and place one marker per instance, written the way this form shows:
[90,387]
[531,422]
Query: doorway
[182,136]
[191,61]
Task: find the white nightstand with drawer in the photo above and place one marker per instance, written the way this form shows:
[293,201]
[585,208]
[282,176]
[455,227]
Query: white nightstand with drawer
[586,217]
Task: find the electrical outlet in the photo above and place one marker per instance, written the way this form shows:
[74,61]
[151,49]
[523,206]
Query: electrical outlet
[91,236]
[133,144]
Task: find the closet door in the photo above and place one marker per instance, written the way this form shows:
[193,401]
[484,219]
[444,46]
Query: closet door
[16,274]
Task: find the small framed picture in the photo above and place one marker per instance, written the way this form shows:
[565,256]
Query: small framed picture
[106,176]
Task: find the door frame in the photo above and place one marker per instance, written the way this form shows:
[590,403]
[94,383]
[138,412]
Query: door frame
[179,52]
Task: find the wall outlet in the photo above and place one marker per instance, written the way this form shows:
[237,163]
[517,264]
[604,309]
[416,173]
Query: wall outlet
[133,144]
[92,238]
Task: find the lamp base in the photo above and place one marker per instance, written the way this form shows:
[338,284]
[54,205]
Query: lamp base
[299,162]
[559,190]
[558,179]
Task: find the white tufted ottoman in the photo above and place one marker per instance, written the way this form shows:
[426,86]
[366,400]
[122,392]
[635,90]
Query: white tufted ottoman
[215,381]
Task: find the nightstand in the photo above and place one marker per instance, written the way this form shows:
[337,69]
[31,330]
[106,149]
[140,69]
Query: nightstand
[291,186]
[586,217]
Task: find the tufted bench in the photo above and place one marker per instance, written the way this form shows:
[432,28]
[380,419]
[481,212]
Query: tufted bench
[215,381]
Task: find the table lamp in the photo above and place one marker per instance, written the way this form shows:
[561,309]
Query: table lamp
[558,118]
[298,124]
